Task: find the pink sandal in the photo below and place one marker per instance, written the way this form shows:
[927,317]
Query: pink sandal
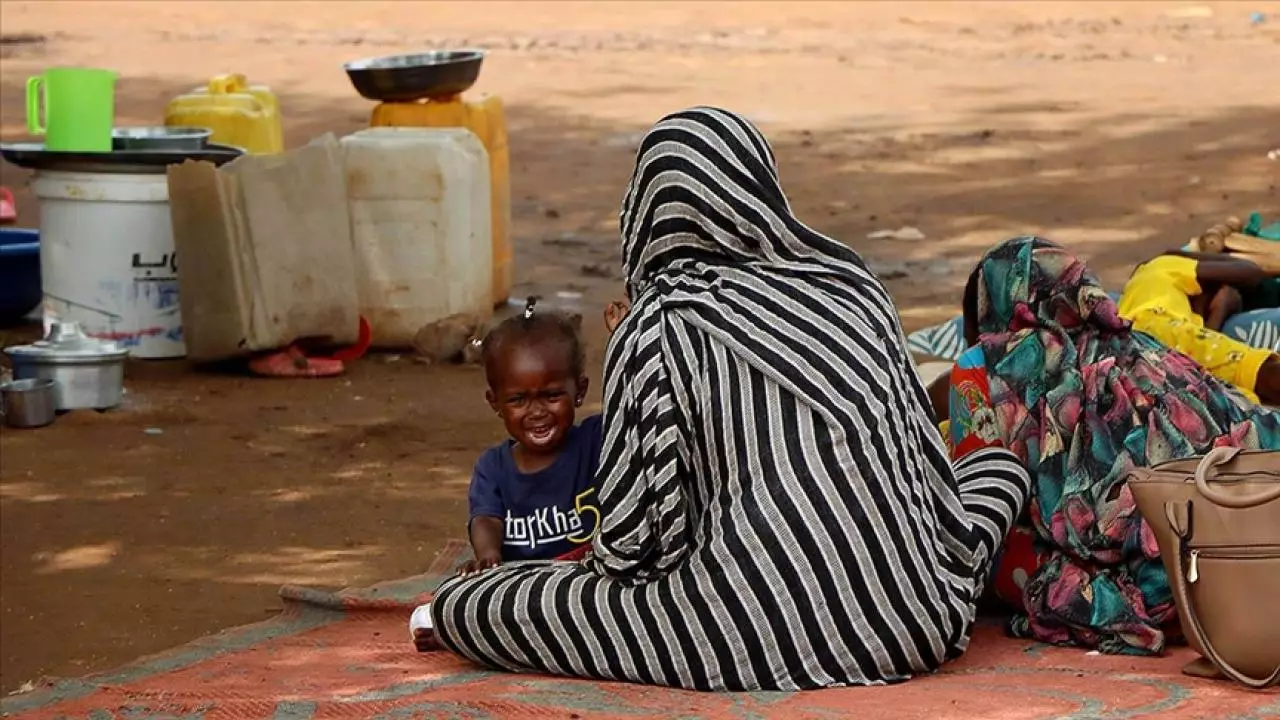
[8,207]
[291,363]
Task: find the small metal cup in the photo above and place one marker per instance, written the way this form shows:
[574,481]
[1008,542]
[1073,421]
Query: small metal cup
[28,403]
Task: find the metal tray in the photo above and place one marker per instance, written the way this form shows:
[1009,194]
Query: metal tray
[33,156]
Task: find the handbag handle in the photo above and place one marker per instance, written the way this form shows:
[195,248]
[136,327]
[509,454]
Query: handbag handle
[1221,456]
[1191,623]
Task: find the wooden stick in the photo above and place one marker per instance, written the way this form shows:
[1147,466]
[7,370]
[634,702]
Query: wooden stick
[1237,242]
[1270,263]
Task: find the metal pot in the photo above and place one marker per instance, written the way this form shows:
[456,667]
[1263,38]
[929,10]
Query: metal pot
[89,373]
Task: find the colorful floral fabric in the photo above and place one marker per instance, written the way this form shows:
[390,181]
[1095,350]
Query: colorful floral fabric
[1257,328]
[974,428]
[972,418]
[1081,399]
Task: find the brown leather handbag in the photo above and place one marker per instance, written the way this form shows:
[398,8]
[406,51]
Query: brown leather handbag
[1217,521]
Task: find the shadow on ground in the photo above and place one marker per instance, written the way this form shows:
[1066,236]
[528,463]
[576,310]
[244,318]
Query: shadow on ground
[327,483]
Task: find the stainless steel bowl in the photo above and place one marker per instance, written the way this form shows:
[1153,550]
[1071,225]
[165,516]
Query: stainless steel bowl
[419,76]
[160,138]
[28,403]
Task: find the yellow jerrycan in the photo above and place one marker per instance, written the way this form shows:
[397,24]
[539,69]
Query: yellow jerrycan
[483,116]
[240,114]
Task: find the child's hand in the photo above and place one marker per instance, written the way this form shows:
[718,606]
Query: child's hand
[614,312]
[479,565]
[1226,302]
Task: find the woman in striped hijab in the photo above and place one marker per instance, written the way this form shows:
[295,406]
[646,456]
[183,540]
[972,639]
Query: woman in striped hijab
[777,507]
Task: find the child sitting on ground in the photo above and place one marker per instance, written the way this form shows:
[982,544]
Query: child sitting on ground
[532,497]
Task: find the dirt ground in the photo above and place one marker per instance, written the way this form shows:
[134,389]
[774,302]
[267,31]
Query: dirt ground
[1116,128]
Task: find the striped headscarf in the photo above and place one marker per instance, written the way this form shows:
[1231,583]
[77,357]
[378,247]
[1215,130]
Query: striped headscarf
[705,187]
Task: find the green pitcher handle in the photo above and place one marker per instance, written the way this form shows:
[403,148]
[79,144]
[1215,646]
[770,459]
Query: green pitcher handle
[35,86]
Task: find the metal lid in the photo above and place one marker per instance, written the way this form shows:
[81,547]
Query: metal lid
[66,342]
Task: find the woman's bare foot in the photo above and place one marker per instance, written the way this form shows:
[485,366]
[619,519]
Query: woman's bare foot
[422,630]
[426,641]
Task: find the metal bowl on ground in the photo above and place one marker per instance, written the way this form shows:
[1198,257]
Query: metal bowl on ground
[29,403]
[407,78]
[160,138]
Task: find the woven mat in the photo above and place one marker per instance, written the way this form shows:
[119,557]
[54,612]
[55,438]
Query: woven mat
[348,655]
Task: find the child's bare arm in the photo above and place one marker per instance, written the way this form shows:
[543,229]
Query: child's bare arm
[1226,270]
[940,396]
[486,541]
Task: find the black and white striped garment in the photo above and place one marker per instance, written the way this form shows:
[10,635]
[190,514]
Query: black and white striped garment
[778,511]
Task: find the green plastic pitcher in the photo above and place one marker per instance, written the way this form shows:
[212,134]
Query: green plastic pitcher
[79,108]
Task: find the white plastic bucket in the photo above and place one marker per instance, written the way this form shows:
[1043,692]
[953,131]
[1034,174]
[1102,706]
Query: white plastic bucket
[108,261]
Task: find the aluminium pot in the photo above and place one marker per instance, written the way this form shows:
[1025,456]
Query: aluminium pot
[89,373]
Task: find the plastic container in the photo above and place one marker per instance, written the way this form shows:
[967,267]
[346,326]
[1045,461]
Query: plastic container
[108,261]
[19,273]
[483,116]
[246,116]
[420,226]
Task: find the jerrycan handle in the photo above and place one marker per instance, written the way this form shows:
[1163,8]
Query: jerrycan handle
[226,84]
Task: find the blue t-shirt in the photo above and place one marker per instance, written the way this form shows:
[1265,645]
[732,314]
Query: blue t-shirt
[548,513]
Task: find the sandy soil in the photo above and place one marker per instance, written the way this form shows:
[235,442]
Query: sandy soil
[1117,128]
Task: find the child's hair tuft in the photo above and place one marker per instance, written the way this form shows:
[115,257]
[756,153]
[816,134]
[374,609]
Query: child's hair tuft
[536,326]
